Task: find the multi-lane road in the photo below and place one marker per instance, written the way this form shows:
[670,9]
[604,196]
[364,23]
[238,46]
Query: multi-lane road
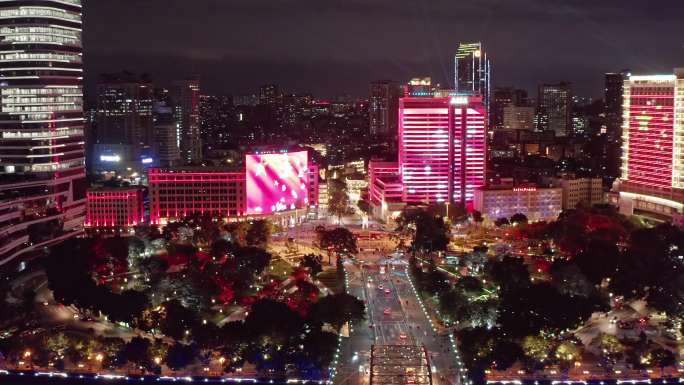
[394,317]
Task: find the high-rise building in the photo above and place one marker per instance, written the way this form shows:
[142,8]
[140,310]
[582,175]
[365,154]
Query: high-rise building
[473,72]
[216,116]
[167,143]
[383,107]
[269,94]
[505,97]
[185,94]
[652,145]
[123,122]
[42,165]
[614,90]
[554,108]
[442,147]
[518,118]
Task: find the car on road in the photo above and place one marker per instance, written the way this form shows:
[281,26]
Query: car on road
[402,336]
[387,311]
[387,291]
[380,287]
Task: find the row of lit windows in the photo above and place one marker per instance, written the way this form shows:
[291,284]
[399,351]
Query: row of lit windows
[40,12]
[43,108]
[76,91]
[41,134]
[64,32]
[42,100]
[43,56]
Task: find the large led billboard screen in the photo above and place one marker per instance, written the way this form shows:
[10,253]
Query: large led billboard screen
[277,182]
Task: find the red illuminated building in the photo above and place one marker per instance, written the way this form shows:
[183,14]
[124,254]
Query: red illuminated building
[271,182]
[652,181]
[178,192]
[442,147]
[114,209]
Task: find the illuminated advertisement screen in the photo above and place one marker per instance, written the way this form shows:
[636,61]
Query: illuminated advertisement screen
[276,182]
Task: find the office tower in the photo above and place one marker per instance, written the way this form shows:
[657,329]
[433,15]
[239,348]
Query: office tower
[185,95]
[383,107]
[554,108]
[42,165]
[518,118]
[613,121]
[293,112]
[652,139]
[442,147]
[473,72]
[504,97]
[269,94]
[216,116]
[167,144]
[123,122]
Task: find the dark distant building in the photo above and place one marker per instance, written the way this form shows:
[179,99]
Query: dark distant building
[383,108]
[42,164]
[269,94]
[473,73]
[613,100]
[123,122]
[185,95]
[505,97]
[216,117]
[554,108]
[166,137]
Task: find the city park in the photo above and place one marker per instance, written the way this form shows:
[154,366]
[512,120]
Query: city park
[590,295]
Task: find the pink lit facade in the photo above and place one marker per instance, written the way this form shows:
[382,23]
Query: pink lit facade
[277,182]
[277,179]
[384,182]
[650,124]
[120,208]
[652,181]
[178,192]
[442,148]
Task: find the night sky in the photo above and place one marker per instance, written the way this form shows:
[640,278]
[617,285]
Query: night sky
[335,47]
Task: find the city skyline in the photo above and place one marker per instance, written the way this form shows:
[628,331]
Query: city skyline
[205,218]
[530,42]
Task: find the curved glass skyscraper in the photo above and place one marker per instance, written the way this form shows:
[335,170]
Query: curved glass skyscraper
[42,172]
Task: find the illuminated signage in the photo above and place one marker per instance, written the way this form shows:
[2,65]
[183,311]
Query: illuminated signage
[459,100]
[147,160]
[525,189]
[277,182]
[110,158]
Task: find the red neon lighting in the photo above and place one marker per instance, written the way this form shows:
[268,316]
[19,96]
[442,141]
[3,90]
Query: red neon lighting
[651,136]
[442,149]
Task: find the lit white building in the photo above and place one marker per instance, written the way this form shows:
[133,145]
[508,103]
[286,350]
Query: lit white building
[587,191]
[537,203]
[42,153]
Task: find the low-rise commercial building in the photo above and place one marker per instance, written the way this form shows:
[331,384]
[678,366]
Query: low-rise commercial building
[537,203]
[576,191]
[114,209]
